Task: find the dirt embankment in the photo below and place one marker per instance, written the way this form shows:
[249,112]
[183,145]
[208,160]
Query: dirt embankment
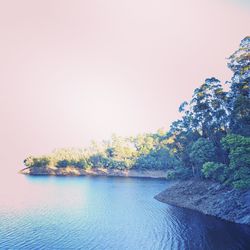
[209,198]
[72,171]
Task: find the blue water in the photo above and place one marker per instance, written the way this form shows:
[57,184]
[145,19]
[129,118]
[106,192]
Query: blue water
[105,213]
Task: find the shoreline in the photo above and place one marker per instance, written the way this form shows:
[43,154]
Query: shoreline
[72,171]
[209,198]
[206,197]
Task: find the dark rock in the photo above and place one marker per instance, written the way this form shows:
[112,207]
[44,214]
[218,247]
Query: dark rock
[209,198]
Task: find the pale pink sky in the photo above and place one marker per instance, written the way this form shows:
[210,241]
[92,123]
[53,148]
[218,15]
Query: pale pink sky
[72,71]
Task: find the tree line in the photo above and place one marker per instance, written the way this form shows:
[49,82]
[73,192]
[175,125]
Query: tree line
[211,140]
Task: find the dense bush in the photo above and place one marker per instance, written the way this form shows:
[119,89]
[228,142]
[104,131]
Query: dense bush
[171,174]
[238,148]
[155,159]
[202,151]
[37,161]
[98,160]
[215,171]
[179,173]
[81,163]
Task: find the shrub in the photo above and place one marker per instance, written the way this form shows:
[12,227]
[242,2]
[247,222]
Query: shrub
[242,184]
[62,164]
[214,171]
[81,163]
[179,173]
[171,175]
[202,151]
[238,148]
[37,161]
[98,160]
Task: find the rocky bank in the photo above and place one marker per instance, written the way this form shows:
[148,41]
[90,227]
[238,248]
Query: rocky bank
[73,171]
[209,198]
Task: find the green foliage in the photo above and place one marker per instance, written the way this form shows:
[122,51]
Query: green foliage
[210,140]
[62,164]
[215,171]
[98,160]
[242,184]
[202,136]
[181,173]
[156,159]
[202,151]
[239,150]
[239,95]
[80,163]
[238,147]
[37,161]
[171,175]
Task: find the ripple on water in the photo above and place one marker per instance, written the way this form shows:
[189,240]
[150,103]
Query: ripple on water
[107,213]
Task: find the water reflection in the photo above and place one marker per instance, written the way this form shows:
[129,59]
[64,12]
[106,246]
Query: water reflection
[207,232]
[105,213]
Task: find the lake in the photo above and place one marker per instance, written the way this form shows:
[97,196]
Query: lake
[105,213]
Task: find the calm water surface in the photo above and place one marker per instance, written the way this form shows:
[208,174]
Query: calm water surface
[105,213]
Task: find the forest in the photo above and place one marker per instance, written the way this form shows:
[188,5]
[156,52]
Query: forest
[210,141]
